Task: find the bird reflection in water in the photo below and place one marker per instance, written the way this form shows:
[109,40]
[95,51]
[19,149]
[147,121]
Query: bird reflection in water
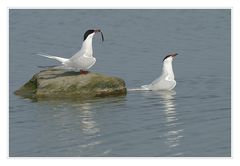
[88,125]
[174,130]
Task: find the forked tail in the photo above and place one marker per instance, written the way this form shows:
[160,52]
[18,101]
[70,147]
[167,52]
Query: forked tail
[60,59]
[142,88]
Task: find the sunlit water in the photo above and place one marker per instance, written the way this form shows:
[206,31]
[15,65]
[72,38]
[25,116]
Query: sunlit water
[192,120]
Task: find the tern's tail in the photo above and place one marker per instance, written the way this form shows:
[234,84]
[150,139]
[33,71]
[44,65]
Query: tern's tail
[135,89]
[60,59]
[142,88]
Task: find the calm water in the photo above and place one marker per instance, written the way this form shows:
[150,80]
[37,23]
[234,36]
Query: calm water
[192,120]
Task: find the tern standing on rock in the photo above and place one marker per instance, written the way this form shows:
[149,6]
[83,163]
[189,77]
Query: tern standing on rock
[83,59]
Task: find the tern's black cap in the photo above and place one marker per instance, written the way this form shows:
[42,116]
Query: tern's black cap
[88,32]
[173,55]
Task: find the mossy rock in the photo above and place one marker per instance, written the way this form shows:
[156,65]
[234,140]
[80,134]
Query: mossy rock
[61,84]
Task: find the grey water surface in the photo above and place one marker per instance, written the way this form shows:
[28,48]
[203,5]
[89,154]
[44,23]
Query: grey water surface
[192,120]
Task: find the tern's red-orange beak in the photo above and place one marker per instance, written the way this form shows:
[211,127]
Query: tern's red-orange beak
[98,30]
[174,55]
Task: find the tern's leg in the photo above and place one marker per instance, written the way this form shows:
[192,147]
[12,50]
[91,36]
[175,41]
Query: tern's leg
[84,72]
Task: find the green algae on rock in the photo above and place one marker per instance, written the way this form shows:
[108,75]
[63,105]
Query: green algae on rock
[61,84]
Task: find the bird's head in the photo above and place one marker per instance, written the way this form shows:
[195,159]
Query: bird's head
[170,57]
[91,33]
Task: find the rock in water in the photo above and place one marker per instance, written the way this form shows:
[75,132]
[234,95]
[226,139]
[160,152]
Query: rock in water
[61,84]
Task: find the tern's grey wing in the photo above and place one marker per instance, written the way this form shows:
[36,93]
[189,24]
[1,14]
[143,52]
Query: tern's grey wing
[78,54]
[81,62]
[157,80]
[163,85]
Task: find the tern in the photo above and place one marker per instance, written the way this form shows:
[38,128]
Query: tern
[83,59]
[166,80]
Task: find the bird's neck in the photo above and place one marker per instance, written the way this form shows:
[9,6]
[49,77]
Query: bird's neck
[87,47]
[167,70]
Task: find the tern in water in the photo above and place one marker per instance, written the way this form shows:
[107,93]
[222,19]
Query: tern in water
[166,80]
[83,59]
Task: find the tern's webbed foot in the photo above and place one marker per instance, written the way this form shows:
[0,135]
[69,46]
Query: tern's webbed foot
[84,72]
